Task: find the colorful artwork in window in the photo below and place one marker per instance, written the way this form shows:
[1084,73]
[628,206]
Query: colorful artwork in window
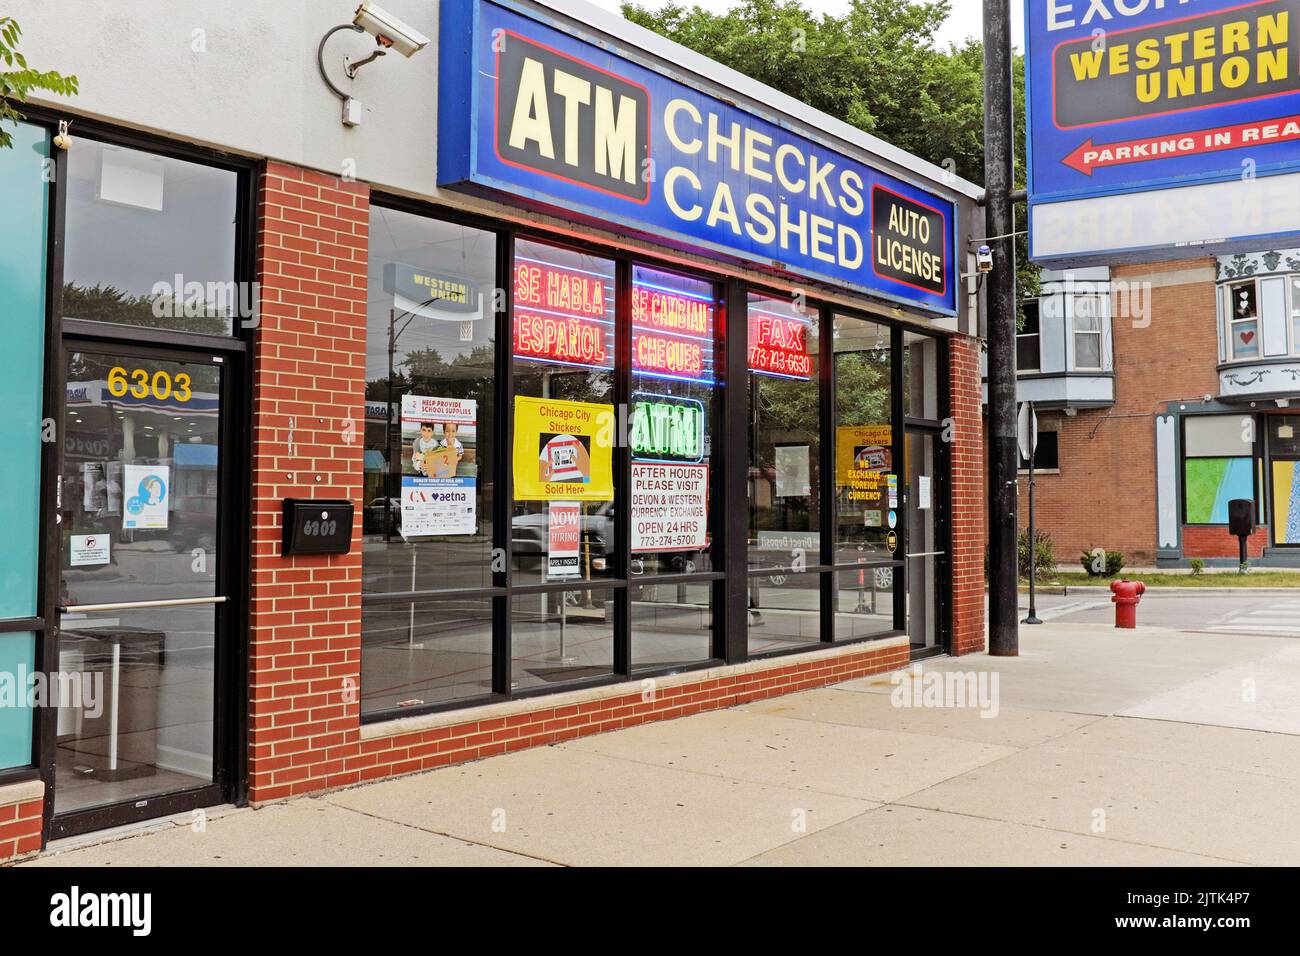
[1212,483]
[1286,502]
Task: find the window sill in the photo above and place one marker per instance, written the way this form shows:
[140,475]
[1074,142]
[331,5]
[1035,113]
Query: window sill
[464,715]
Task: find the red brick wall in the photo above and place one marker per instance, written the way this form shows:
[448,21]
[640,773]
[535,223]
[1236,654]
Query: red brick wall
[1105,494]
[425,750]
[1204,541]
[968,514]
[308,397]
[20,828]
[305,731]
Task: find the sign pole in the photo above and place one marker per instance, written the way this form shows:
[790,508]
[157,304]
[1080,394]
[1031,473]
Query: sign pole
[1004,610]
[1033,533]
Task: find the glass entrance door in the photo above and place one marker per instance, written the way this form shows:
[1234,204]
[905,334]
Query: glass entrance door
[1284,456]
[925,556]
[143,625]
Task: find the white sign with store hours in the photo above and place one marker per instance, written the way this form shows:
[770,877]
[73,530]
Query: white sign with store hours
[670,507]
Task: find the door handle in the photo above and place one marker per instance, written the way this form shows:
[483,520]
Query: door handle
[138,605]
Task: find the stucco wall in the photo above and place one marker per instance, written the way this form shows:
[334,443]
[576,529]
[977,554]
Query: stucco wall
[241,75]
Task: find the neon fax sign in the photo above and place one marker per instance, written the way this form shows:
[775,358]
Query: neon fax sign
[530,111]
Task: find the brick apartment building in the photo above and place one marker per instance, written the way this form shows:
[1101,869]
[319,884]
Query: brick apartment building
[1163,392]
[437,431]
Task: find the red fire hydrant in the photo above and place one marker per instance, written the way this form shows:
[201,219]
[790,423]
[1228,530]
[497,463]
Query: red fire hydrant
[1127,596]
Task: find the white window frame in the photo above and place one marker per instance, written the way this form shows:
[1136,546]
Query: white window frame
[1293,311]
[1231,322]
[1102,299]
[1037,336]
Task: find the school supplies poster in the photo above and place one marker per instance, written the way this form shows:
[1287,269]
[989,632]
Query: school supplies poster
[439,461]
[563,450]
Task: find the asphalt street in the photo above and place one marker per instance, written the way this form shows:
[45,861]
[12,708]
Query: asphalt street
[1259,612]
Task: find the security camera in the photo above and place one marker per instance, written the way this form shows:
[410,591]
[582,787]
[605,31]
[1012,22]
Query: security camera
[389,31]
[984,259]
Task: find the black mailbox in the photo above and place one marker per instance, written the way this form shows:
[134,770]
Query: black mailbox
[313,526]
[1241,517]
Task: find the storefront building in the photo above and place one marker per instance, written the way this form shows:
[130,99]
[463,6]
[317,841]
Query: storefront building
[1164,392]
[575,381]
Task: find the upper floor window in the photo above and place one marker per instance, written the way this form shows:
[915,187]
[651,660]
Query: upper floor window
[1088,311]
[1028,349]
[1261,317]
[1243,320]
[1295,313]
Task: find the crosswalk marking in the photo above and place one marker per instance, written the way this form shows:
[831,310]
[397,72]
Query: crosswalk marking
[1281,618]
[1060,610]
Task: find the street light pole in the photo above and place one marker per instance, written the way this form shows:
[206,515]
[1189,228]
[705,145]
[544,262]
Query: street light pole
[1004,627]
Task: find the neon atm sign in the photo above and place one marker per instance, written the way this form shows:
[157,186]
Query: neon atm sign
[667,428]
[561,315]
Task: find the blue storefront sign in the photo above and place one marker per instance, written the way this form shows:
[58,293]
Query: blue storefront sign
[534,113]
[1129,97]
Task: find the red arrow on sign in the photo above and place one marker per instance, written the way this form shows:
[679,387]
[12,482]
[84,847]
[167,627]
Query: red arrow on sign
[1216,139]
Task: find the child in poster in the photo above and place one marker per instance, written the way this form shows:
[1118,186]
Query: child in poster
[439,494]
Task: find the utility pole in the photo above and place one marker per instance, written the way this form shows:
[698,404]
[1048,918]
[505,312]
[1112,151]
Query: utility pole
[999,181]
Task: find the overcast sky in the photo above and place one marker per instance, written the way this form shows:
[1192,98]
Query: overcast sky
[966,19]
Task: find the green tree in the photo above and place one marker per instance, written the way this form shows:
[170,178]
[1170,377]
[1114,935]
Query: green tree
[876,67]
[17,79]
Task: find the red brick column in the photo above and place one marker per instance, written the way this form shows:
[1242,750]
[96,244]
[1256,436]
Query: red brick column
[968,513]
[21,806]
[308,396]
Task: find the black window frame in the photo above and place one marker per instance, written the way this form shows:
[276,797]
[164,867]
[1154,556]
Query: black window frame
[728,474]
[1042,461]
[236,348]
[1257,456]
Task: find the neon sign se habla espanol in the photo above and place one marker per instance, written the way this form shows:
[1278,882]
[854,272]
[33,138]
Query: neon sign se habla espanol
[561,316]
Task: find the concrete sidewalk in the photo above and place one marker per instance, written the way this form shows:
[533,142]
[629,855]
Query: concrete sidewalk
[1154,747]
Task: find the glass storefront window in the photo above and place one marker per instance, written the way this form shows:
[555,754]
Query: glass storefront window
[921,359]
[430,413]
[864,603]
[672,624]
[420,653]
[1218,465]
[784,434]
[151,241]
[563,525]
[429,473]
[672,406]
[864,438]
[562,636]
[784,612]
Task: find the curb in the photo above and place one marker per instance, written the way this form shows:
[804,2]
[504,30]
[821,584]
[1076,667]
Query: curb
[1096,589]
